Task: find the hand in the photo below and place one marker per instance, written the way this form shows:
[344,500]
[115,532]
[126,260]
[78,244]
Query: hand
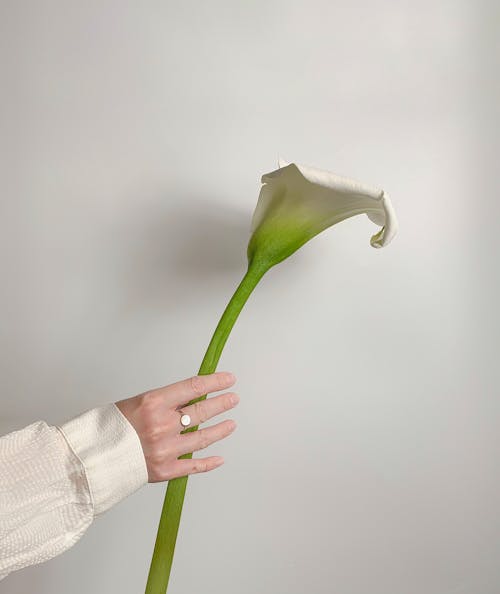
[154,416]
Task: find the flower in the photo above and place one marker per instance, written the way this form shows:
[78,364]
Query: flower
[297,202]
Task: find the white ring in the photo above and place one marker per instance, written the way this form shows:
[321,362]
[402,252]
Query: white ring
[185,420]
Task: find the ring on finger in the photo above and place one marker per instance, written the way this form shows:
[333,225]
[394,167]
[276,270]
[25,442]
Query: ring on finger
[185,418]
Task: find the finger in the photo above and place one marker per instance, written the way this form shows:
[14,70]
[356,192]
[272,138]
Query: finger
[206,409]
[193,466]
[198,440]
[186,390]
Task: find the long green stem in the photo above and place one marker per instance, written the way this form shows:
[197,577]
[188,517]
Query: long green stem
[161,563]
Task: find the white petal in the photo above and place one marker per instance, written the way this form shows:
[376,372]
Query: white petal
[390,228]
[263,204]
[328,194]
[336,182]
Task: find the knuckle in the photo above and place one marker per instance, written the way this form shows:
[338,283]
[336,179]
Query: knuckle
[198,385]
[200,466]
[148,403]
[228,404]
[204,440]
[146,399]
[200,410]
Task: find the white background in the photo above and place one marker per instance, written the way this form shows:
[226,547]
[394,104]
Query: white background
[133,137]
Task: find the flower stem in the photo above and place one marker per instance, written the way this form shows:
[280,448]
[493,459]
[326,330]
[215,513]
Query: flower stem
[161,563]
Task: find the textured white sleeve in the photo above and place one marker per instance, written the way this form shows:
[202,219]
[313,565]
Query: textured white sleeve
[55,480]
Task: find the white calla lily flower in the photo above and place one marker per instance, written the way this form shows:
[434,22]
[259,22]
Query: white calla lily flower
[296,202]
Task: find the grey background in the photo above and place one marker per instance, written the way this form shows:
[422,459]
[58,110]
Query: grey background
[133,138]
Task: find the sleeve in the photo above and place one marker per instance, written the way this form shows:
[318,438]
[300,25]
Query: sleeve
[55,479]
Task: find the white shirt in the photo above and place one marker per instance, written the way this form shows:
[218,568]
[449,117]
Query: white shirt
[54,480]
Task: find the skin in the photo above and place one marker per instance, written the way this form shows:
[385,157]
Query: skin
[154,416]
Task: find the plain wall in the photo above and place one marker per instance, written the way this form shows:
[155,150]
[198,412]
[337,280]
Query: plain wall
[133,138]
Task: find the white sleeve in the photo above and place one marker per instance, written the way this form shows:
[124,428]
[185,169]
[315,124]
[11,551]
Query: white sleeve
[55,480]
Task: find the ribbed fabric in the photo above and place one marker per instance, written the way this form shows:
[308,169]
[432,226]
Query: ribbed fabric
[55,480]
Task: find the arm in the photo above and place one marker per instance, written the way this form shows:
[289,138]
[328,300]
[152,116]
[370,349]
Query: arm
[55,480]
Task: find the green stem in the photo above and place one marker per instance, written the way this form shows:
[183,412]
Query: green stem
[161,563]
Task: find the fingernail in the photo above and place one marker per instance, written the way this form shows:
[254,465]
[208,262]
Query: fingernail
[230,377]
[219,461]
[232,426]
[235,398]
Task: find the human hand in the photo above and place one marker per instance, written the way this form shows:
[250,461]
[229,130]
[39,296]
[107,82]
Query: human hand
[156,419]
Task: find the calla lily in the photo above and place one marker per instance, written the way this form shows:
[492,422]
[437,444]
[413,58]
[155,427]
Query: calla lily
[295,204]
[298,202]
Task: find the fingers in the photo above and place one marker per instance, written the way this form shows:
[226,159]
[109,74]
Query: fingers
[198,440]
[206,409]
[163,470]
[186,390]
[159,424]
[184,467]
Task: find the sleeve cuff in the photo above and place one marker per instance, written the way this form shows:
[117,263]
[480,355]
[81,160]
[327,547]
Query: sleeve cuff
[111,452]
